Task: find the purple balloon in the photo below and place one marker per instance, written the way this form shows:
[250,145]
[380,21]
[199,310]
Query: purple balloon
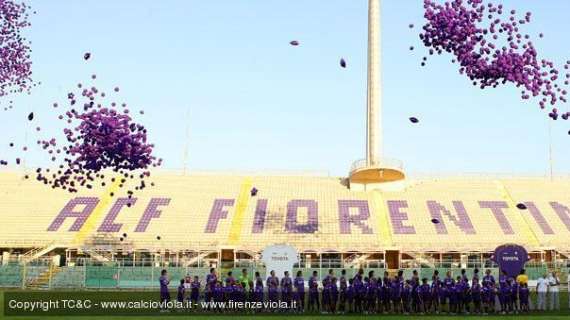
[15,50]
[490,50]
[98,138]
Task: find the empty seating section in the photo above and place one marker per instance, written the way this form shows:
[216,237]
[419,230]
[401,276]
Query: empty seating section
[28,208]
[548,208]
[208,212]
[304,212]
[463,220]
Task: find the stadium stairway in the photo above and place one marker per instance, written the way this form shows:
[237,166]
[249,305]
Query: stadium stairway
[38,252]
[100,210]
[99,256]
[528,232]
[43,280]
[196,259]
[240,211]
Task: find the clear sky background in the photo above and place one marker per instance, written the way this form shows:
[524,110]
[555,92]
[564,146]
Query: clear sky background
[219,81]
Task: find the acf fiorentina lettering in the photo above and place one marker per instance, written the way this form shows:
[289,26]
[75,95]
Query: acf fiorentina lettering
[353,215]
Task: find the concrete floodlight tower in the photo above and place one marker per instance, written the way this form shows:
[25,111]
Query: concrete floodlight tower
[374,170]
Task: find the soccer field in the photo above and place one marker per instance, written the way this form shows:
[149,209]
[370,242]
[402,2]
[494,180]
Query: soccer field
[564,314]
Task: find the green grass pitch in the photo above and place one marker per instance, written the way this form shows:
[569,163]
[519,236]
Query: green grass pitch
[563,314]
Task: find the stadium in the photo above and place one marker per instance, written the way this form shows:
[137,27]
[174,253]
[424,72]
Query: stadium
[374,218]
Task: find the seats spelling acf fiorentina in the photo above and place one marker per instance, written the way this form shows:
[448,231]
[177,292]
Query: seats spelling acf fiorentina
[311,213]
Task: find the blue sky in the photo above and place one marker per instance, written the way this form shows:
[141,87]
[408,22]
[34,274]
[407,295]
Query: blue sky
[218,78]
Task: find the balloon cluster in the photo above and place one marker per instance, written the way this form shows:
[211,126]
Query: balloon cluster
[491,50]
[15,63]
[101,138]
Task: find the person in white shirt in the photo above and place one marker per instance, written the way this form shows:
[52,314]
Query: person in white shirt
[553,289]
[541,289]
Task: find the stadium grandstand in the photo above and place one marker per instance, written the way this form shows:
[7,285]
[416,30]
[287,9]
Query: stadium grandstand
[375,218]
[202,221]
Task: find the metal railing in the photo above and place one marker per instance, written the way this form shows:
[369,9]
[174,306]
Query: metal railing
[92,276]
[383,162]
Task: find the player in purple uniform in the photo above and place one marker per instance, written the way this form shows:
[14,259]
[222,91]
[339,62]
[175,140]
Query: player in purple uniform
[359,289]
[466,295]
[230,280]
[239,292]
[299,295]
[476,295]
[386,298]
[494,292]
[505,296]
[464,275]
[251,293]
[258,293]
[180,291]
[350,296]
[211,280]
[503,277]
[475,275]
[396,294]
[326,294]
[229,287]
[488,298]
[273,287]
[514,305]
[342,292]
[195,290]
[523,297]
[333,296]
[286,288]
[435,291]
[406,297]
[314,304]
[424,292]
[228,291]
[415,294]
[164,281]
[488,279]
[458,290]
[454,296]
[218,295]
[447,286]
[371,293]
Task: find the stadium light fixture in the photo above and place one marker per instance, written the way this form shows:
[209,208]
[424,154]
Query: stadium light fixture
[374,169]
